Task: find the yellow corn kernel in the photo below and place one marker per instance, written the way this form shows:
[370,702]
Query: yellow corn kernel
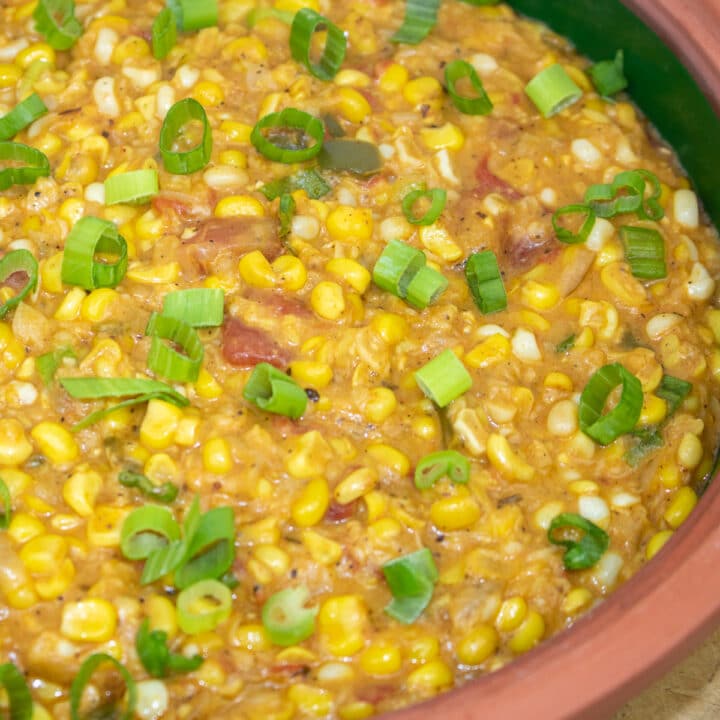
[234,158]
[154,274]
[576,600]
[246,48]
[69,308]
[90,620]
[208,94]
[346,222]
[355,485]
[354,274]
[53,586]
[37,51]
[617,279]
[438,241]
[273,557]
[322,550]
[162,615]
[579,78]
[493,350]
[656,543]
[654,410]
[310,506]
[43,554]
[430,677]
[389,457]
[149,226]
[15,448]
[327,300]
[504,459]
[16,480]
[55,442]
[528,634]
[690,451]
[239,206]
[160,468]
[394,79]
[380,404]
[312,374]
[255,270]
[421,90]
[356,711]
[511,614]
[217,457]
[477,646]
[96,306]
[290,272]
[539,296]
[236,132]
[80,491]
[669,475]
[351,104]
[105,524]
[9,75]
[376,504]
[381,658]
[48,143]
[311,701]
[50,273]
[390,327]
[24,527]
[455,512]
[448,136]
[557,380]
[680,507]
[158,427]
[206,386]
[251,636]
[585,339]
[72,210]
[310,455]
[342,622]
[132,47]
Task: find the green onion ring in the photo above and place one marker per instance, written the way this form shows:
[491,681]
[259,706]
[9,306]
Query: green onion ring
[145,530]
[167,362]
[87,669]
[35,165]
[55,20]
[568,236]
[203,606]
[24,113]
[184,162]
[304,25]
[480,104]
[295,121]
[18,261]
[437,197]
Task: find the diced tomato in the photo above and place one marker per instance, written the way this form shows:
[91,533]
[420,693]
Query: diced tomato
[246,346]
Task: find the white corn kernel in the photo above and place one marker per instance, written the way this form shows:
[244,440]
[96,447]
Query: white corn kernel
[187,76]
[443,163]
[165,99]
[548,197]
[223,177]
[152,699]
[607,570]
[660,324]
[95,192]
[594,508]
[624,153]
[700,285]
[602,231]
[524,345]
[105,44]
[104,96]
[624,500]
[483,64]
[486,331]
[305,227]
[685,208]
[142,77]
[586,152]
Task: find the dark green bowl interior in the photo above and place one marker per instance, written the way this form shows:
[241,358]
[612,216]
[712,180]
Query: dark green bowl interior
[659,83]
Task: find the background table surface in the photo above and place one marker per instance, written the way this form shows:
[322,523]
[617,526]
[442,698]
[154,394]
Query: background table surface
[689,692]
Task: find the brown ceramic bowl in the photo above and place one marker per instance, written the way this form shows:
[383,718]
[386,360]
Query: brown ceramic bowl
[650,623]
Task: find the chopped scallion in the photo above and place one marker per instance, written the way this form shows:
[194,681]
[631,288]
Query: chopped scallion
[485,282]
[310,181]
[55,20]
[18,261]
[304,25]
[425,287]
[165,493]
[198,14]
[345,155]
[18,694]
[581,553]
[84,675]
[420,19]
[134,187]
[197,307]
[437,198]
[608,76]
[566,235]
[444,378]
[24,113]
[21,165]
[165,360]
[147,529]
[397,266]
[477,104]
[286,619]
[288,136]
[444,463]
[7,505]
[178,132]
[203,606]
[411,579]
[274,391]
[644,252]
[164,34]
[552,90]
[155,655]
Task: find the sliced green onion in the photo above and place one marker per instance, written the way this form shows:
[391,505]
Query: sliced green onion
[304,25]
[18,261]
[24,113]
[437,198]
[285,618]
[55,20]
[355,156]
[485,282]
[397,266]
[608,76]
[198,14]
[626,194]
[286,212]
[411,579]
[644,252]
[444,378]
[420,19]
[565,234]
[164,34]
[650,439]
[257,14]
[18,694]
[203,606]
[34,165]
[145,530]
[273,391]
[164,493]
[567,344]
[673,390]
[478,104]
[155,655]
[177,124]
[552,90]
[310,181]
[134,187]
[444,463]
[211,551]
[585,552]
[87,670]
[198,307]
[7,505]
[48,363]
[284,136]
[425,287]
[89,236]
[651,208]
[623,417]
[163,359]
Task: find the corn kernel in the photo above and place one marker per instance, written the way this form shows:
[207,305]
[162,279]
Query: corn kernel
[239,206]
[105,524]
[381,658]
[327,300]
[96,306]
[162,615]
[680,507]
[342,624]
[690,451]
[669,475]
[493,350]
[654,410]
[352,105]
[439,242]
[208,94]
[246,48]
[80,491]
[557,380]
[430,677]
[528,634]
[9,75]
[355,274]
[235,131]
[511,614]
[390,327]
[422,89]
[158,427]
[539,296]
[310,506]
[233,158]
[393,79]
[576,600]
[273,557]
[24,527]
[355,485]
[69,308]
[312,374]
[504,459]
[37,51]
[477,646]
[380,404]
[55,442]
[311,701]
[207,386]
[217,457]
[310,455]
[455,512]
[72,210]
[322,550]
[90,620]
[390,457]
[356,711]
[15,448]
[251,637]
[290,272]
[656,543]
[346,222]
[446,137]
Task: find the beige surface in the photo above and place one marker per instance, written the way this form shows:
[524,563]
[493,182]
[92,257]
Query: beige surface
[689,692]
